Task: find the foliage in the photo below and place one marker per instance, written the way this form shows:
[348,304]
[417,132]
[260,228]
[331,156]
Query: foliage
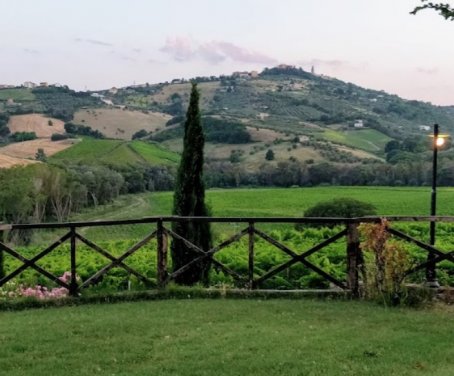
[189,198]
[58,137]
[23,136]
[82,130]
[342,207]
[224,131]
[175,120]
[4,130]
[140,134]
[387,266]
[62,102]
[444,9]
[269,156]
[41,155]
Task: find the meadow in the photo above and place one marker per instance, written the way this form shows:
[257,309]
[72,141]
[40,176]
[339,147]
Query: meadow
[228,337]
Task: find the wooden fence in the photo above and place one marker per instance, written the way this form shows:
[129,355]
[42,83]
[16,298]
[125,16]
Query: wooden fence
[163,233]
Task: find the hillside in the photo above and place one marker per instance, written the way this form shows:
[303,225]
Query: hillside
[120,123]
[298,115]
[43,126]
[116,153]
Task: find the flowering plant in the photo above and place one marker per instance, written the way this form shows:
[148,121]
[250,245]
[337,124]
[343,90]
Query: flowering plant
[12,290]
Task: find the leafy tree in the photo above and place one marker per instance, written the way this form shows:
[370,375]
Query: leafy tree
[189,199]
[392,145]
[41,155]
[444,9]
[269,156]
[23,136]
[139,134]
[4,130]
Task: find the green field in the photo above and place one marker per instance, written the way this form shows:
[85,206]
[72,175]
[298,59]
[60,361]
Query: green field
[227,337]
[17,94]
[116,153]
[366,139]
[154,153]
[284,202]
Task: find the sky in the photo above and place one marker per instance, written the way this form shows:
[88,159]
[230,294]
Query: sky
[98,44]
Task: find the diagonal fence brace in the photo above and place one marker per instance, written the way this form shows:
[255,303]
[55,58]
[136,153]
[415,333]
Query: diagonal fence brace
[117,261]
[31,263]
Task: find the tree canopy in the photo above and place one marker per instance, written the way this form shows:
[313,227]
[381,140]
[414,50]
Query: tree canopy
[444,9]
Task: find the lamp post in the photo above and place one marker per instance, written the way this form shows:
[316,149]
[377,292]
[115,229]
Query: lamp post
[431,274]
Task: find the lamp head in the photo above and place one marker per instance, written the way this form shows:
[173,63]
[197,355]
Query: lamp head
[440,141]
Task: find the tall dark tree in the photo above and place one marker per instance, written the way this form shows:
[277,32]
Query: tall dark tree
[189,199]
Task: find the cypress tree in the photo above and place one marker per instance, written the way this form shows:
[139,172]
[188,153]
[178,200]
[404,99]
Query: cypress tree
[189,199]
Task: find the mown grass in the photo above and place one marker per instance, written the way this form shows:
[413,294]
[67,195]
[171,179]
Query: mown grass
[365,139]
[227,337]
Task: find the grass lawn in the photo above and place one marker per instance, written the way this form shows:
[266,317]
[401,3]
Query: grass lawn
[227,337]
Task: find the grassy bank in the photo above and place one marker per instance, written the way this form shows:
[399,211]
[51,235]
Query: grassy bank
[228,337]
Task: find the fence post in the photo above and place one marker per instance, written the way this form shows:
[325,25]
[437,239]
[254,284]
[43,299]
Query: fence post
[251,256]
[161,255]
[2,268]
[73,288]
[353,258]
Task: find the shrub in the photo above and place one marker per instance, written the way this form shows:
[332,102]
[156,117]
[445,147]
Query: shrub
[338,208]
[58,137]
[341,207]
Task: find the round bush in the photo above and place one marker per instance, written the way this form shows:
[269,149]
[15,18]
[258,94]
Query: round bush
[339,208]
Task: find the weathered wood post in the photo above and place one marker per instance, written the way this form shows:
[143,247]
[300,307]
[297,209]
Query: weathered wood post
[2,268]
[161,255]
[251,256]
[354,258]
[73,288]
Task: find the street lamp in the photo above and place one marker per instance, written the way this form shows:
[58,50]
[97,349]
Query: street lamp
[437,142]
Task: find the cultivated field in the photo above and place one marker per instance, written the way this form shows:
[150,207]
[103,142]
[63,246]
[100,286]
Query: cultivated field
[366,139]
[7,162]
[37,123]
[27,149]
[228,337]
[117,153]
[120,124]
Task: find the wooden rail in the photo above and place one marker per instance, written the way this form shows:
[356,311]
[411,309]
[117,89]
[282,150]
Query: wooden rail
[250,280]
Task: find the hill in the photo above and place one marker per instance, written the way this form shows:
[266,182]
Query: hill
[301,117]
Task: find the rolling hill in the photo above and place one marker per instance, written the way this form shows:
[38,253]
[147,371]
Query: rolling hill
[299,115]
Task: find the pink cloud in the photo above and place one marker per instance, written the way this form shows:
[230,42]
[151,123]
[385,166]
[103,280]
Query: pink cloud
[185,49]
[179,48]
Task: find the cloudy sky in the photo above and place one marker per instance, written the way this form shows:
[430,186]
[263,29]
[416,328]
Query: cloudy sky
[94,44]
